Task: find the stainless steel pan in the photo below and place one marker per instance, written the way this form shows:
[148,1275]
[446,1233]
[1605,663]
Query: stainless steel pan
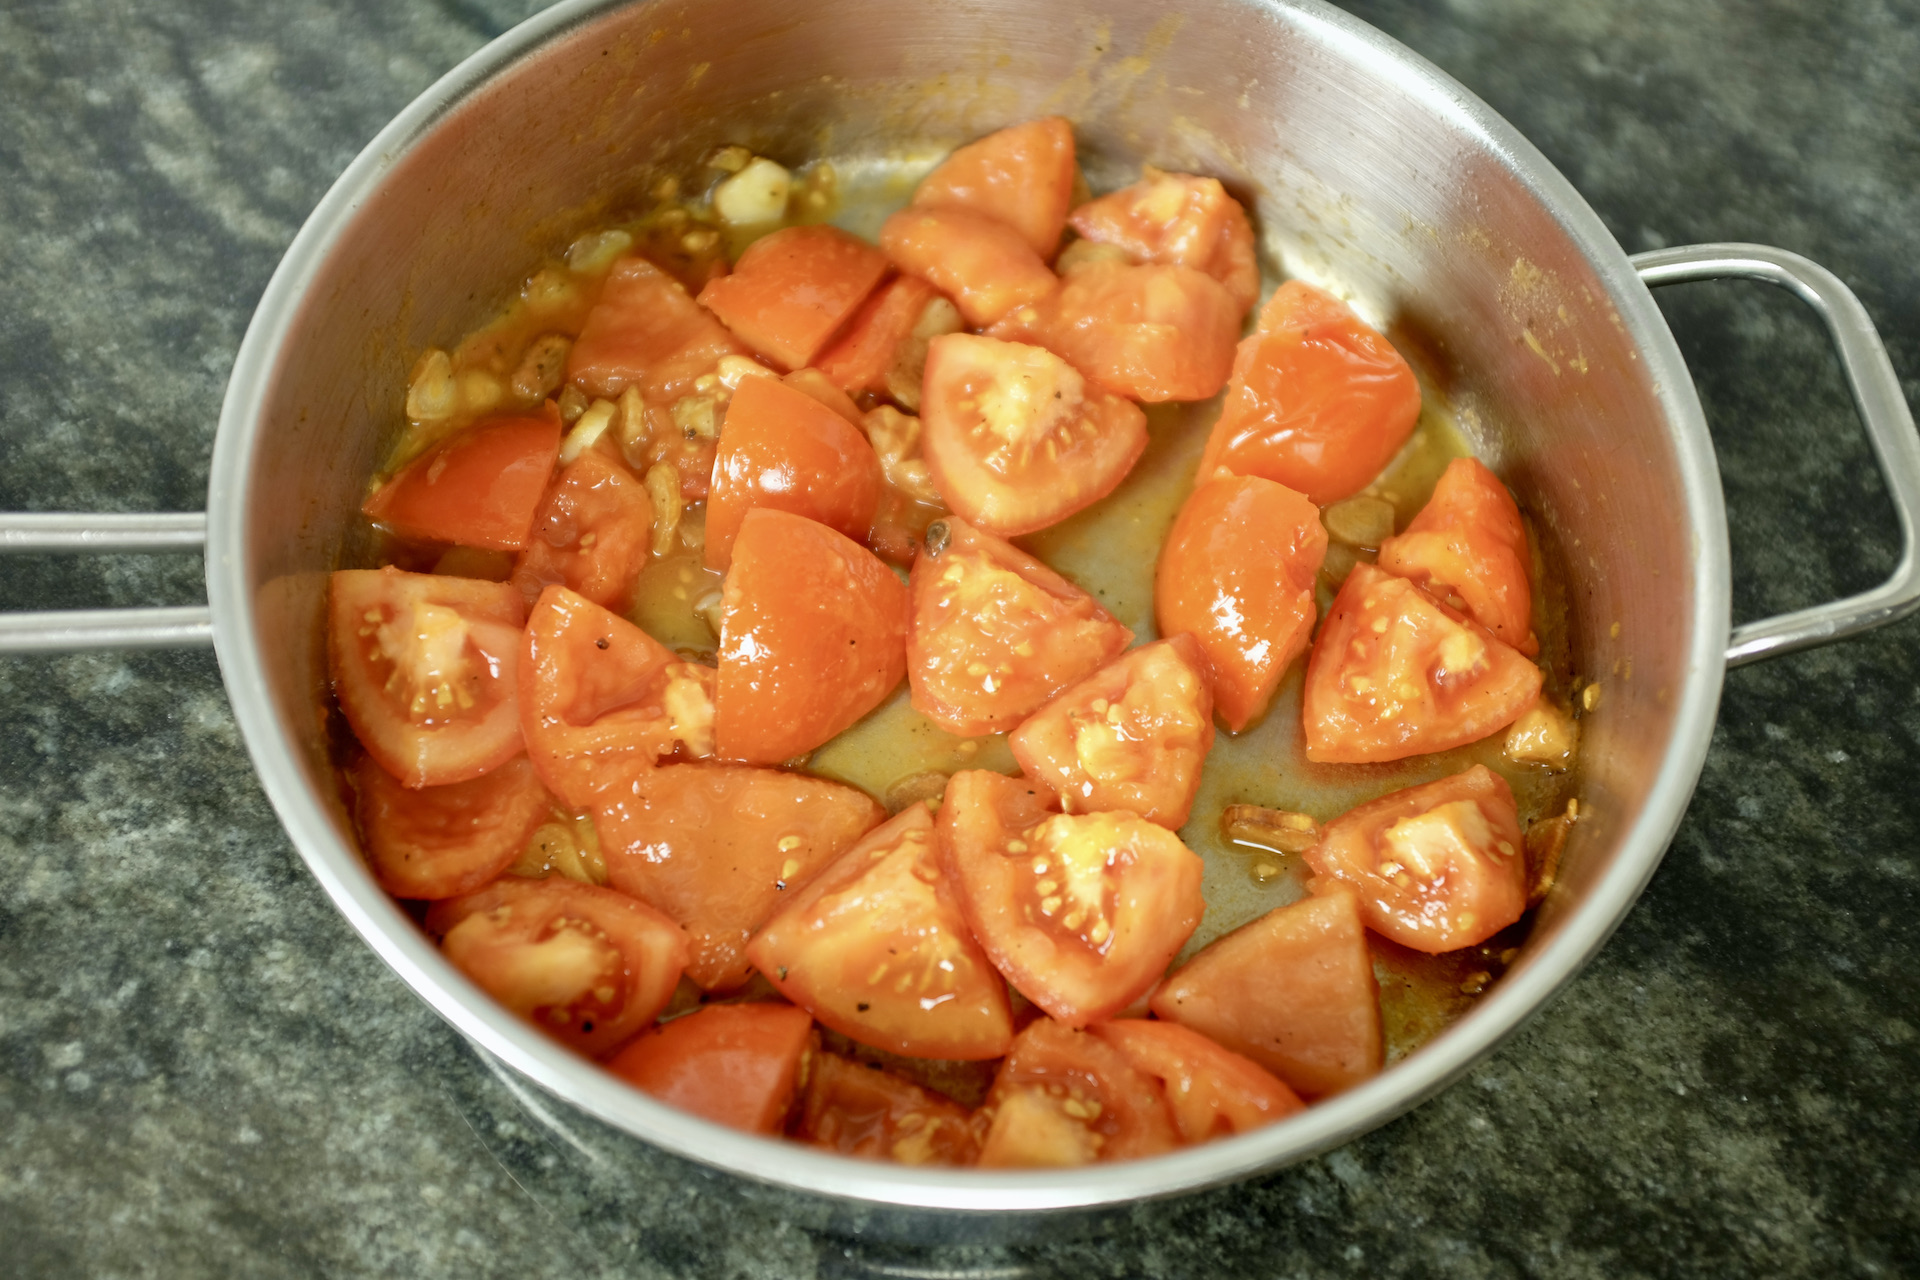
[1367,167]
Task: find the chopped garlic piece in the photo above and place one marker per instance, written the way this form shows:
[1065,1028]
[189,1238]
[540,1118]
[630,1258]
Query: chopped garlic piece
[432,395]
[756,194]
[592,425]
[592,254]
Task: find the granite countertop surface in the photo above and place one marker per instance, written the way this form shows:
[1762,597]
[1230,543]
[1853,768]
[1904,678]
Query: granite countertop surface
[204,1071]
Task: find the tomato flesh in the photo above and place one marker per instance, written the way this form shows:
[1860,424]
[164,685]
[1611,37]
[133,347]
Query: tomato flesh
[860,1110]
[987,267]
[1436,867]
[424,669]
[1022,175]
[1182,220]
[1066,1098]
[1294,991]
[1016,439]
[479,488]
[1131,736]
[1237,571]
[791,291]
[1212,1092]
[646,331]
[734,1064]
[591,534]
[859,358]
[717,846]
[813,635]
[586,965]
[1082,913]
[1395,673]
[440,842]
[996,633]
[1468,547]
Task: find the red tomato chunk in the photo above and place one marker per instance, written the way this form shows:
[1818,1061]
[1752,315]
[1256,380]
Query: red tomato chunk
[733,1064]
[1022,176]
[479,489]
[1468,547]
[857,1109]
[793,290]
[1066,1098]
[439,842]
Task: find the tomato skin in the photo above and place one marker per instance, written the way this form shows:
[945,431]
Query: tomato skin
[647,332]
[1429,680]
[1235,262]
[859,358]
[734,1064]
[1436,867]
[860,1110]
[440,842]
[703,843]
[1021,175]
[1082,914]
[1165,217]
[984,265]
[591,534]
[424,669]
[478,488]
[980,601]
[1131,736]
[586,965]
[1294,991]
[1016,439]
[884,907]
[784,450]
[791,291]
[1103,1110]
[1468,542]
[1318,401]
[1237,571]
[1212,1092]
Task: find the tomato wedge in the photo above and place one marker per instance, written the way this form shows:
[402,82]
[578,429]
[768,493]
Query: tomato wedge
[859,1109]
[478,488]
[1082,913]
[859,358]
[1131,736]
[1021,175]
[1167,217]
[1395,673]
[1294,991]
[1436,867]
[1318,401]
[876,948]
[1016,439]
[996,633]
[791,291]
[1149,332]
[647,332]
[588,966]
[599,698]
[1212,1092]
[1066,1098]
[716,846]
[987,267]
[1237,571]
[1468,547]
[784,450]
[591,534]
[813,635]
[439,842]
[424,668]
[733,1064]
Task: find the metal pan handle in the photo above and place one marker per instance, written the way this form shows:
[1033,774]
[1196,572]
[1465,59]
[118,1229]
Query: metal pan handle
[71,630]
[1877,395]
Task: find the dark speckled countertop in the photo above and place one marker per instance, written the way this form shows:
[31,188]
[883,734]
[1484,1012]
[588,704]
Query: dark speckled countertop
[203,1071]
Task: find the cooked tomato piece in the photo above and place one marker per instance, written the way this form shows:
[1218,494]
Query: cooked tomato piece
[1235,263]
[1131,736]
[859,358]
[1294,991]
[587,966]
[1016,439]
[984,265]
[1237,570]
[1436,867]
[1395,673]
[1066,1098]
[438,842]
[791,291]
[716,846]
[424,667]
[859,1109]
[1149,332]
[876,948]
[647,332]
[599,698]
[786,451]
[1082,913]
[824,391]
[1318,401]
[996,633]
[1181,220]
[813,635]
[1212,1092]
[591,534]
[1022,176]
[478,488]
[733,1064]
[1468,547]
